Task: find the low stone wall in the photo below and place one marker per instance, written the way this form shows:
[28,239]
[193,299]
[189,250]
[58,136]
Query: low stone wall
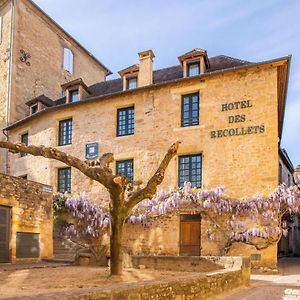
[188,286]
[30,206]
[175,263]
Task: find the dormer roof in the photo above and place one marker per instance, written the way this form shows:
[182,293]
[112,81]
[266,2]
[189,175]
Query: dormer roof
[75,82]
[194,54]
[43,99]
[131,69]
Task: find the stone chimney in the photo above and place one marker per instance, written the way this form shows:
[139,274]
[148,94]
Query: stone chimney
[146,68]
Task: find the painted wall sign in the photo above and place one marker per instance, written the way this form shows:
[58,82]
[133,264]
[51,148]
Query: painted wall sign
[91,151]
[239,118]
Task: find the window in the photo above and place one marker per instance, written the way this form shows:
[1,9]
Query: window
[64,180]
[125,168]
[65,132]
[24,177]
[289,180]
[193,69]
[190,110]
[34,109]
[24,140]
[68,60]
[190,169]
[125,121]
[73,96]
[131,83]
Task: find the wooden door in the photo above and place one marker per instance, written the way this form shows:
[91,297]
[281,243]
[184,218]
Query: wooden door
[190,235]
[4,233]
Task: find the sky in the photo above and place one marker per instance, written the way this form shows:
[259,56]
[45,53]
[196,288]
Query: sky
[256,30]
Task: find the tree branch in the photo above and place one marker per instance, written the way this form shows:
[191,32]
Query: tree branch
[98,174]
[150,189]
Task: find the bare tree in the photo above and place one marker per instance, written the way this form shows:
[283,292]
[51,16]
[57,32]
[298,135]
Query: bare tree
[121,202]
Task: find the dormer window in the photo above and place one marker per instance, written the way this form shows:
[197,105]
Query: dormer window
[131,83]
[193,68]
[34,109]
[75,90]
[194,62]
[74,95]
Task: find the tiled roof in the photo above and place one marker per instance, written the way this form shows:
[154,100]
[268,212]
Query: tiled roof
[42,98]
[167,74]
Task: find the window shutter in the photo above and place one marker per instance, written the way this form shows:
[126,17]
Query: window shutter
[68,60]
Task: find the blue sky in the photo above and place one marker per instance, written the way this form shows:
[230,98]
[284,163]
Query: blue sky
[115,31]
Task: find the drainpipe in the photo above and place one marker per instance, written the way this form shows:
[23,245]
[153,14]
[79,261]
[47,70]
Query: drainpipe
[8,88]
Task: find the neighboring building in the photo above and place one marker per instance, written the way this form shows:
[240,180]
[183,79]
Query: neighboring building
[227,112]
[26,220]
[36,57]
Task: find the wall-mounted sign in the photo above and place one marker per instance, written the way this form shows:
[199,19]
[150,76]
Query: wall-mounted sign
[236,119]
[91,151]
[47,189]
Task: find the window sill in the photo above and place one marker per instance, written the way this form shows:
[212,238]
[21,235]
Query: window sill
[125,135]
[195,127]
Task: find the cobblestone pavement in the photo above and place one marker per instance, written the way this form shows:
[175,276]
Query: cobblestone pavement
[285,286]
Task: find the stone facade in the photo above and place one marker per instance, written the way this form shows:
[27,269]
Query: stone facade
[28,30]
[238,162]
[30,206]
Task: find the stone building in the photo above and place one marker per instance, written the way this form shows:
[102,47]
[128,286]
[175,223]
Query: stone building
[25,220]
[36,57]
[227,112]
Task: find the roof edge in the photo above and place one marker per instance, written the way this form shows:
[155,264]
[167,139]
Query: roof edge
[108,71]
[95,98]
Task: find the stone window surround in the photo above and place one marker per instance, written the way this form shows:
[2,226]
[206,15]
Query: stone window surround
[188,61]
[131,77]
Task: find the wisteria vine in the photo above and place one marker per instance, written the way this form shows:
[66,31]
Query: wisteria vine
[237,220]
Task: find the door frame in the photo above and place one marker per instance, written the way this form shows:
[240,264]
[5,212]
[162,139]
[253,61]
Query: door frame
[9,230]
[190,218]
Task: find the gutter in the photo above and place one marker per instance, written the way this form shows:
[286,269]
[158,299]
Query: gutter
[148,87]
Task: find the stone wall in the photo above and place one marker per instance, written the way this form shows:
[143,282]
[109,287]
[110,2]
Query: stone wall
[36,34]
[31,212]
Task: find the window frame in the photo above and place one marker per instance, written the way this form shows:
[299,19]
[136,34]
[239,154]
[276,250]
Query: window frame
[190,118]
[60,132]
[127,131]
[190,156]
[126,162]
[189,64]
[71,92]
[67,179]
[34,109]
[128,79]
[25,134]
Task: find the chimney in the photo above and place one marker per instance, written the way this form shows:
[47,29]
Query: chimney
[145,72]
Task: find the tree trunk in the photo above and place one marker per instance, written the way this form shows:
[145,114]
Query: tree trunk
[116,254]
